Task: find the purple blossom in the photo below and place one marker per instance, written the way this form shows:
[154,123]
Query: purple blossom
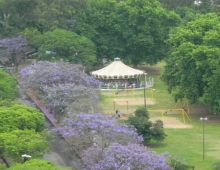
[124,157]
[14,49]
[107,128]
[15,44]
[60,84]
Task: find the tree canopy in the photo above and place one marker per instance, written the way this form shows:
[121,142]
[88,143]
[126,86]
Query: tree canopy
[8,88]
[22,131]
[192,70]
[135,30]
[15,143]
[85,130]
[116,156]
[52,14]
[15,15]
[61,85]
[14,49]
[66,45]
[20,117]
[37,164]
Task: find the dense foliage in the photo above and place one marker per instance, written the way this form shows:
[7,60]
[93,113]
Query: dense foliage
[21,131]
[20,117]
[50,14]
[192,70]
[131,156]
[36,164]
[145,127]
[60,85]
[63,44]
[15,16]
[15,143]
[8,85]
[135,30]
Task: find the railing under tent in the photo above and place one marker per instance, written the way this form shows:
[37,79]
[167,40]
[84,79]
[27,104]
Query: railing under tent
[122,85]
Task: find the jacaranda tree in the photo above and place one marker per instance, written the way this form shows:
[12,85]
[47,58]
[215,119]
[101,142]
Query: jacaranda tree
[59,85]
[85,130]
[128,157]
[14,49]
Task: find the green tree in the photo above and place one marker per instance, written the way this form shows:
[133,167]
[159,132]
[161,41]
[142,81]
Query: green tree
[98,21]
[8,88]
[145,25]
[134,29]
[187,14]
[21,131]
[205,6]
[68,46]
[15,143]
[36,164]
[173,4]
[20,117]
[15,15]
[145,127]
[52,14]
[192,70]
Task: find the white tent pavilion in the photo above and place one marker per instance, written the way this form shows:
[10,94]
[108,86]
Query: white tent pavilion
[117,70]
[117,75]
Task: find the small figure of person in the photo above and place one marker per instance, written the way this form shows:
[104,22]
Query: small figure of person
[118,113]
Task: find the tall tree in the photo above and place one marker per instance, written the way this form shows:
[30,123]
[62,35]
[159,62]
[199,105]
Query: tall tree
[192,70]
[15,15]
[98,22]
[14,49]
[134,30]
[61,84]
[145,25]
[52,14]
[86,130]
[124,157]
[66,45]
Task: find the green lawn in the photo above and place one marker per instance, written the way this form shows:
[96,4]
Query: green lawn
[185,143]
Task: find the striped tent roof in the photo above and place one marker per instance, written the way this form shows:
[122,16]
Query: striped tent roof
[117,70]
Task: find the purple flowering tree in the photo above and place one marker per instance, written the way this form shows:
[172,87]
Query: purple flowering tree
[85,130]
[14,49]
[124,157]
[61,85]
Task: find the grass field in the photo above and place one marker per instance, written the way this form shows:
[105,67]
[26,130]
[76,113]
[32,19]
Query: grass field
[186,143]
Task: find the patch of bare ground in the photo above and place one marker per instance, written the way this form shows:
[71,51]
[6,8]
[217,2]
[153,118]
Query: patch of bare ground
[136,101]
[171,122]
